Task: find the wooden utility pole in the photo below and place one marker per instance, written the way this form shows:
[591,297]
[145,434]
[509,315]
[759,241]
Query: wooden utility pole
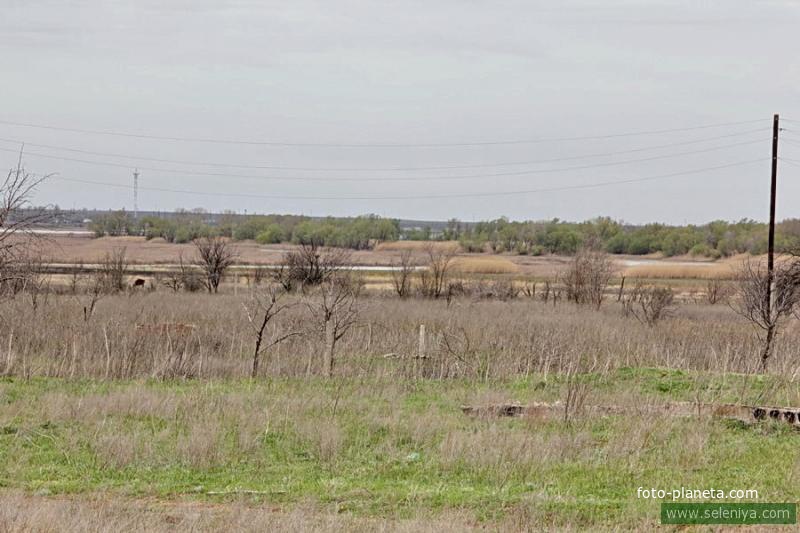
[773,193]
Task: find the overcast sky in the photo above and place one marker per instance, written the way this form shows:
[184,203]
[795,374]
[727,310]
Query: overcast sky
[407,72]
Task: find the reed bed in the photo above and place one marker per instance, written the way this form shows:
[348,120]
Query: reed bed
[682,271]
[484,265]
[416,246]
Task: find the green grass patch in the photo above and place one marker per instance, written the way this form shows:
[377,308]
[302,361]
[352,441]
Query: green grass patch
[389,448]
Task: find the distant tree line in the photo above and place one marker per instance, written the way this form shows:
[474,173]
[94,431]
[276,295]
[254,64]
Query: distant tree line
[358,233]
[715,239]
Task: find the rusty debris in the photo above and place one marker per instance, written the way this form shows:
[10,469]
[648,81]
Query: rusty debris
[745,413]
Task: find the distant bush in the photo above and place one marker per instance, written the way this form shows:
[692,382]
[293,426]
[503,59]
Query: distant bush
[274,234]
[704,250]
[472,246]
[537,250]
[700,250]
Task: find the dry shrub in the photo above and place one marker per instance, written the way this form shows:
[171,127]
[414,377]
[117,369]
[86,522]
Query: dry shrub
[402,273]
[717,291]
[433,280]
[114,269]
[311,265]
[503,289]
[186,277]
[587,277]
[649,305]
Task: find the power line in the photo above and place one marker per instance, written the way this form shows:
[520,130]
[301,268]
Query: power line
[398,178]
[385,169]
[427,196]
[116,133]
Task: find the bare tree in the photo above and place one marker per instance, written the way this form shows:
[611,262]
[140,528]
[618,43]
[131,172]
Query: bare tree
[173,279]
[402,270]
[310,265]
[336,310]
[36,282]
[259,275]
[433,279]
[264,306]
[753,304]
[17,217]
[716,291]
[588,276]
[78,271]
[95,291]
[114,268]
[214,256]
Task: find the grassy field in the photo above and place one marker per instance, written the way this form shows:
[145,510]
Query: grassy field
[141,412]
[389,452]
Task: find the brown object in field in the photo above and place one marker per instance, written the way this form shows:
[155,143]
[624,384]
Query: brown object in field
[175,329]
[139,282]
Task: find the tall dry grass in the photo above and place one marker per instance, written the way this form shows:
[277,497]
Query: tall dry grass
[484,265]
[465,338]
[416,246]
[681,271]
[106,513]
